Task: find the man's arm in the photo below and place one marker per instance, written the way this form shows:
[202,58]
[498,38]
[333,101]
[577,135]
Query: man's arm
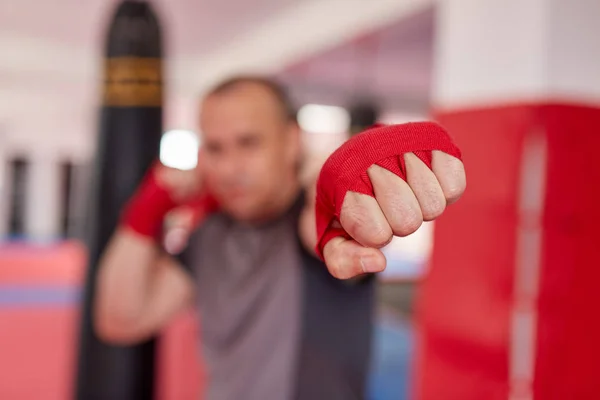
[139,289]
[139,286]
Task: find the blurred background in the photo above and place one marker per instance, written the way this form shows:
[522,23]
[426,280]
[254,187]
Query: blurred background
[512,80]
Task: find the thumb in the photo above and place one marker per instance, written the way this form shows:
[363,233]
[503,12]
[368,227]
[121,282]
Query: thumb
[346,258]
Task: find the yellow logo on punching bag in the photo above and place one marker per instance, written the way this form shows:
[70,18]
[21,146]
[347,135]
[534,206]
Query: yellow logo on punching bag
[133,82]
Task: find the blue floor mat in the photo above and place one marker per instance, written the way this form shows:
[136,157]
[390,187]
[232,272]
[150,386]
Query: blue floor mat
[391,362]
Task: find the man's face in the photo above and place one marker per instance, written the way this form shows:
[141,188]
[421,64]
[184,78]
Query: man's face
[250,150]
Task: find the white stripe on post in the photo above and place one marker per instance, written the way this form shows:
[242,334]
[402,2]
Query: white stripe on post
[4,196]
[532,192]
[43,200]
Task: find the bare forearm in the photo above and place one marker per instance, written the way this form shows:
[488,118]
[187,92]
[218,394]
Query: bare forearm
[124,275]
[139,290]
[124,279]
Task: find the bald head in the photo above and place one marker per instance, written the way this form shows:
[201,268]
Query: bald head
[261,86]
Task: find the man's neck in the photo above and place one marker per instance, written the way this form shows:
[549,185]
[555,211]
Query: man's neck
[287,195]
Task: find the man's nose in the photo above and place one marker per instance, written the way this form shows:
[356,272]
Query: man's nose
[229,167]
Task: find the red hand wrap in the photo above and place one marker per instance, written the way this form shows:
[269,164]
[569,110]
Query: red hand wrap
[147,208]
[346,169]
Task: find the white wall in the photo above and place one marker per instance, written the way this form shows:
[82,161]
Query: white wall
[508,51]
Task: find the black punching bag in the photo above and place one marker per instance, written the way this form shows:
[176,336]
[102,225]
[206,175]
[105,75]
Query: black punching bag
[129,141]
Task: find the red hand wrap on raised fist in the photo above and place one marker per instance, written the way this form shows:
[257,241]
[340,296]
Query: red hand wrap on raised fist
[148,207]
[346,169]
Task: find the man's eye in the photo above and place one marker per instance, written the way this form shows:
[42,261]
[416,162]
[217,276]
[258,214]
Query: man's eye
[249,142]
[212,148]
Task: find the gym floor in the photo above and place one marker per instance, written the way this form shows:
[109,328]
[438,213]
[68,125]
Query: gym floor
[40,289]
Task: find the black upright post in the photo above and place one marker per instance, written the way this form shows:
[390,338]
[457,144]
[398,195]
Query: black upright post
[18,197]
[129,141]
[362,116]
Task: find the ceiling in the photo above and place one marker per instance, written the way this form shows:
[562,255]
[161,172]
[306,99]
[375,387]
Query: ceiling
[50,58]
[194,26]
[391,66]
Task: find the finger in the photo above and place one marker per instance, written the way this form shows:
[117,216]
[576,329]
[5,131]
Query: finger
[347,259]
[181,184]
[178,225]
[175,240]
[425,186]
[362,218]
[450,173]
[397,201]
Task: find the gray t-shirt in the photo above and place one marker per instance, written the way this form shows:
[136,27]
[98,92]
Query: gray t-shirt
[275,324]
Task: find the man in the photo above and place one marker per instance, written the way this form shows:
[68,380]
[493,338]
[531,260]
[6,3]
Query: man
[277,323]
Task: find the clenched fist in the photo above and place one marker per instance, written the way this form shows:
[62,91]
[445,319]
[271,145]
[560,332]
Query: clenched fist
[168,195]
[382,183]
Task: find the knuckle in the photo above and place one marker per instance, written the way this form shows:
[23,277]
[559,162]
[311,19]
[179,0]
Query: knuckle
[338,269]
[354,267]
[371,233]
[333,258]
[455,191]
[404,216]
[379,236]
[433,208]
[365,229]
[350,268]
[334,269]
[365,224]
[408,225]
[341,263]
